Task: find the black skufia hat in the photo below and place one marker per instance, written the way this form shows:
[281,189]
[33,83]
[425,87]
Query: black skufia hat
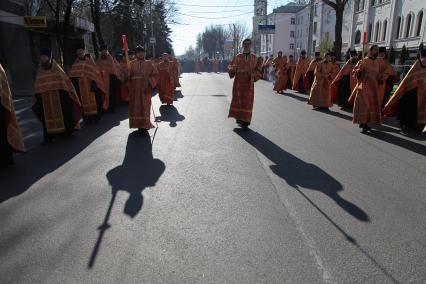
[139,48]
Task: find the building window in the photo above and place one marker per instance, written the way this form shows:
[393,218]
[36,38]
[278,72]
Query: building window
[377,31]
[357,3]
[314,45]
[370,32]
[327,36]
[301,20]
[357,37]
[385,26]
[373,2]
[292,34]
[419,23]
[408,25]
[291,46]
[293,21]
[398,26]
[315,28]
[316,10]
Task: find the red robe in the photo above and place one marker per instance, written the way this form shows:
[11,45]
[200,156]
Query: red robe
[320,95]
[165,84]
[246,70]
[414,81]
[14,135]
[366,95]
[142,77]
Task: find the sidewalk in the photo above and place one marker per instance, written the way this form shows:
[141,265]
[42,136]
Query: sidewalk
[31,127]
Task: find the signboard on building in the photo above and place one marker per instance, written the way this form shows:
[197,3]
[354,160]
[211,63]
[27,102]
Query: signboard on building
[266,29]
[35,22]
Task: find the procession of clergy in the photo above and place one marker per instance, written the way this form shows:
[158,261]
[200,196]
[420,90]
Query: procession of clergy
[92,87]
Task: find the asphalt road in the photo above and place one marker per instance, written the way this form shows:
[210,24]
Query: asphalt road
[302,197]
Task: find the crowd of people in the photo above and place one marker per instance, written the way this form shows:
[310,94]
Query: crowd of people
[90,89]
[363,85]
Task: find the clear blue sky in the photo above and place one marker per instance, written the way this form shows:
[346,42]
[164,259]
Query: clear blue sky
[193,16]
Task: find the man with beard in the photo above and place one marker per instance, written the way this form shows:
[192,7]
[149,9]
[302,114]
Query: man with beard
[143,78]
[342,86]
[246,69]
[320,95]
[10,133]
[55,101]
[281,74]
[408,103]
[310,73]
[301,68]
[110,73]
[89,85]
[165,84]
[290,71]
[389,78]
[366,95]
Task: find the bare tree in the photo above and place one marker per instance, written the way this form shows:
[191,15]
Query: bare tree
[339,7]
[237,32]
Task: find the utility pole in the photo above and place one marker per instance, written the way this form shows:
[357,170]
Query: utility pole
[311,27]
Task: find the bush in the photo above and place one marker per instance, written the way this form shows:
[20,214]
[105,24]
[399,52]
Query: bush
[391,55]
[404,56]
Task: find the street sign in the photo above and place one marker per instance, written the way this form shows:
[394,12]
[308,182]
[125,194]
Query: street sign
[266,27]
[35,22]
[152,40]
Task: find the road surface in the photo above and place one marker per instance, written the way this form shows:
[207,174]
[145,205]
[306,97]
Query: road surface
[302,197]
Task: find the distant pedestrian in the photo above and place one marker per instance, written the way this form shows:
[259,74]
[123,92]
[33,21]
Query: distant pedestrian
[301,68]
[165,84]
[309,76]
[90,87]
[110,72]
[320,96]
[344,83]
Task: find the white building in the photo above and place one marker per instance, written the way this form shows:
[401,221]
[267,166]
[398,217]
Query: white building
[292,29]
[283,38]
[390,23]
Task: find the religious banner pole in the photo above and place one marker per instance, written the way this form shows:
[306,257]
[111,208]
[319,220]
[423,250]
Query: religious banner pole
[126,51]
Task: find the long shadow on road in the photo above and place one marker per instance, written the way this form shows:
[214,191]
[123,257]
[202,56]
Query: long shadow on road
[42,160]
[138,171]
[299,174]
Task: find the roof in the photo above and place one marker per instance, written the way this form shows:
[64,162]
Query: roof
[289,8]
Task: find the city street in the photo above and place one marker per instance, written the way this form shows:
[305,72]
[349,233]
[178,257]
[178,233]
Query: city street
[301,197]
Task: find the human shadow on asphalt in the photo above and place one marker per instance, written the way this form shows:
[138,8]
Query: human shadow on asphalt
[302,99]
[169,114]
[138,171]
[299,174]
[42,160]
[178,95]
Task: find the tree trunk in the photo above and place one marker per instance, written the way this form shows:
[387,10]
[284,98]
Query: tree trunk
[95,45]
[66,25]
[338,32]
[95,10]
